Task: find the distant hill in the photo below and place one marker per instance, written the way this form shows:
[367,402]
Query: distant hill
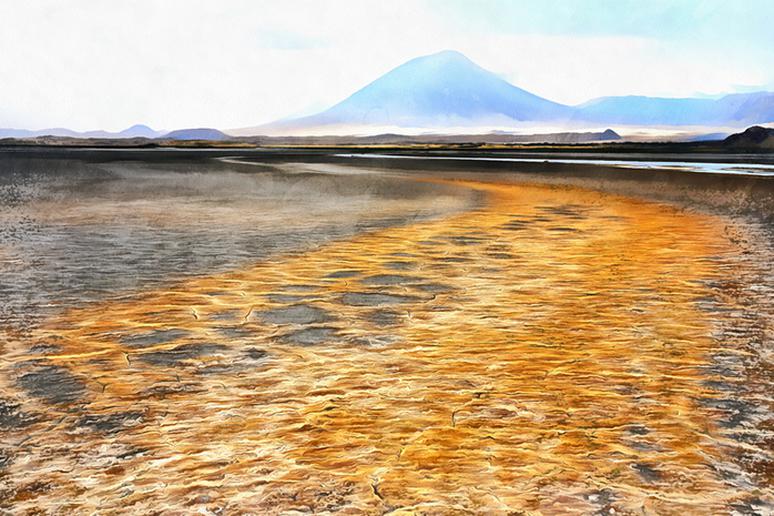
[605,136]
[139,131]
[755,137]
[404,139]
[136,131]
[200,133]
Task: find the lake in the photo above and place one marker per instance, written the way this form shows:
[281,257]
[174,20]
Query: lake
[313,335]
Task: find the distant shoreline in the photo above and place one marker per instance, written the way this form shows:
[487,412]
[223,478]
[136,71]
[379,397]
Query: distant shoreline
[714,147]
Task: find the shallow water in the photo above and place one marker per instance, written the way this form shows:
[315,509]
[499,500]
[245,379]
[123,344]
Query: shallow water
[702,167]
[73,232]
[545,349]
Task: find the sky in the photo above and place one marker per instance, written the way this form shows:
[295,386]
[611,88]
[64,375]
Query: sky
[96,64]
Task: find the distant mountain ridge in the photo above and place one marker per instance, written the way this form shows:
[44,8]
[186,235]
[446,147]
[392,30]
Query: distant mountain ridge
[449,90]
[136,131]
[734,109]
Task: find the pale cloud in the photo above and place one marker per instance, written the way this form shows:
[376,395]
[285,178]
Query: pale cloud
[94,64]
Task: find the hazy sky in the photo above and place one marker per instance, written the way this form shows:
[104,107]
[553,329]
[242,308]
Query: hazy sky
[88,64]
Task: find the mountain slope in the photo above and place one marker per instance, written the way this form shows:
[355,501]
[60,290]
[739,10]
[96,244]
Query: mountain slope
[439,90]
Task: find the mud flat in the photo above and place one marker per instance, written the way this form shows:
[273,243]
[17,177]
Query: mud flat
[549,345]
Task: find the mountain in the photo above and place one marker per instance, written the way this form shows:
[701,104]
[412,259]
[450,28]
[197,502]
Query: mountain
[738,109]
[448,90]
[755,137]
[440,90]
[136,131]
[200,133]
